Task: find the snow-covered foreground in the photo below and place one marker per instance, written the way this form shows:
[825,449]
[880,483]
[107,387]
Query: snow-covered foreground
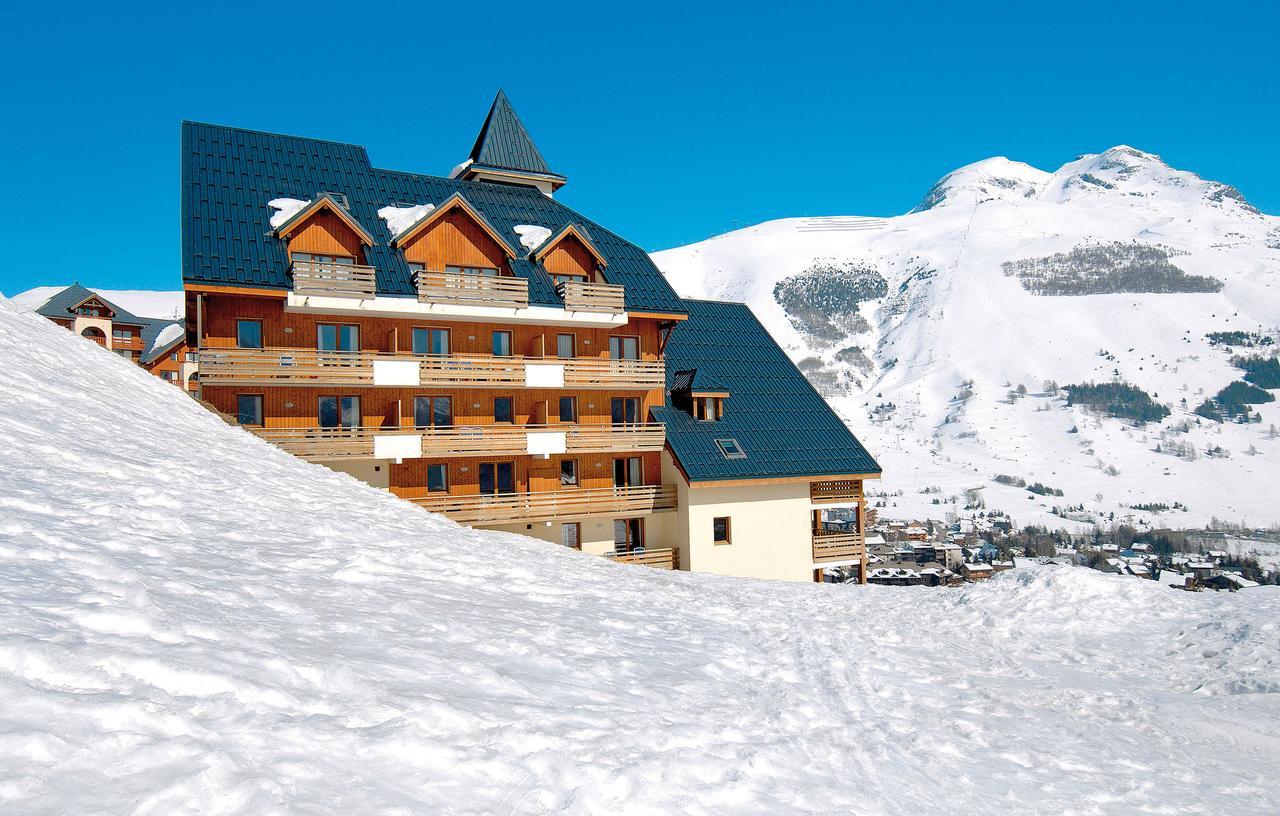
[193,621]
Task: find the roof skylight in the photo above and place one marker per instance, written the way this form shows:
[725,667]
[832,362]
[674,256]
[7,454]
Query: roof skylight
[731,449]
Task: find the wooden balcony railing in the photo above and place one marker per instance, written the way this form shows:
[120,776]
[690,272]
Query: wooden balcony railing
[284,366]
[837,546]
[835,490]
[473,290]
[276,366]
[466,440]
[601,372]
[664,558]
[334,280]
[552,504]
[591,297]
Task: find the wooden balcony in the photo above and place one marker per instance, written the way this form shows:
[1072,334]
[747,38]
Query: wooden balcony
[664,558]
[552,505]
[591,297]
[835,490]
[466,440]
[334,280]
[284,366]
[473,290]
[829,545]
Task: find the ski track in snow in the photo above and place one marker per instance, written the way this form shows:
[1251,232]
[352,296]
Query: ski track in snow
[194,621]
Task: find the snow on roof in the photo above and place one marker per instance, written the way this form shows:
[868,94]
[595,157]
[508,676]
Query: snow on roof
[286,208]
[1239,580]
[1201,565]
[166,337]
[400,219]
[532,236]
[165,305]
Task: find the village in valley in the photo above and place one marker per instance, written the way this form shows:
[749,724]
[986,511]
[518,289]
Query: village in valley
[937,553]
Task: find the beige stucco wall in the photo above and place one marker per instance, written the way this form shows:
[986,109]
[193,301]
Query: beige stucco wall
[597,533]
[371,471]
[82,322]
[770,528]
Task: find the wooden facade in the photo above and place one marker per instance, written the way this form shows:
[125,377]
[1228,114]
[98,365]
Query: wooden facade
[324,233]
[456,239]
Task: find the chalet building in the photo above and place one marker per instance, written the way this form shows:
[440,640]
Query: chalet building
[479,349]
[159,346]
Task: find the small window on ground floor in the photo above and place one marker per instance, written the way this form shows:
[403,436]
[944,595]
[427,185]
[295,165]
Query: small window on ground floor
[568,472]
[720,530]
[437,478]
[249,409]
[628,535]
[571,535]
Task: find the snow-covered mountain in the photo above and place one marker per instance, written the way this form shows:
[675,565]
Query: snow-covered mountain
[193,621]
[940,335]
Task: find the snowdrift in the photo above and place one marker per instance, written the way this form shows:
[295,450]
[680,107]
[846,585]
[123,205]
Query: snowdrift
[194,621]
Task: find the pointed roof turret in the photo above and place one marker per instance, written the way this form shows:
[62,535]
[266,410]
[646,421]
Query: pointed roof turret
[504,153]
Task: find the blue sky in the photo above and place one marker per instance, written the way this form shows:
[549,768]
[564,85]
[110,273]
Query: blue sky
[673,123]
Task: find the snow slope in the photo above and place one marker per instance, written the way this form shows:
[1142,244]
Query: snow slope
[141,302]
[194,621]
[949,315]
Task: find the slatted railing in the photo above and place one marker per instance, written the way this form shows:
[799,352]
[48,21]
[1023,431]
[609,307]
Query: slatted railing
[466,440]
[602,372]
[334,280]
[662,558]
[591,297]
[837,545]
[288,366]
[472,290]
[219,366]
[835,490]
[552,504]
[639,436]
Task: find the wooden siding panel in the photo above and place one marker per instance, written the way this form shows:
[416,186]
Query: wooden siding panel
[570,257]
[324,233]
[455,240]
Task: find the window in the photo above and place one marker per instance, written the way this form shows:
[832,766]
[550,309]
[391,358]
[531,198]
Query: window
[249,409]
[125,353]
[497,477]
[502,411]
[720,530]
[121,334]
[731,449]
[433,412]
[339,412]
[568,409]
[625,410]
[487,271]
[624,348]
[565,345]
[571,535]
[627,472]
[437,478]
[708,409]
[430,341]
[558,278]
[339,198]
[502,344]
[568,472]
[628,535]
[171,376]
[330,337]
[249,334]
[174,357]
[311,258]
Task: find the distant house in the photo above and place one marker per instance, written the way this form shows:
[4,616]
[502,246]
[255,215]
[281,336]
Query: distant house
[976,572]
[158,345]
[1229,581]
[1203,570]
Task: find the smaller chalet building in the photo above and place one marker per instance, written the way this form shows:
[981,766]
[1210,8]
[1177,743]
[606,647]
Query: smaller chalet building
[474,346]
[158,345]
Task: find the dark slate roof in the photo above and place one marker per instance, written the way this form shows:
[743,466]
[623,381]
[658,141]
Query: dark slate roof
[504,144]
[229,175]
[61,304]
[785,427]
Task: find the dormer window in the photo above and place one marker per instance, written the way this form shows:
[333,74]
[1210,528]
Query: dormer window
[708,409]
